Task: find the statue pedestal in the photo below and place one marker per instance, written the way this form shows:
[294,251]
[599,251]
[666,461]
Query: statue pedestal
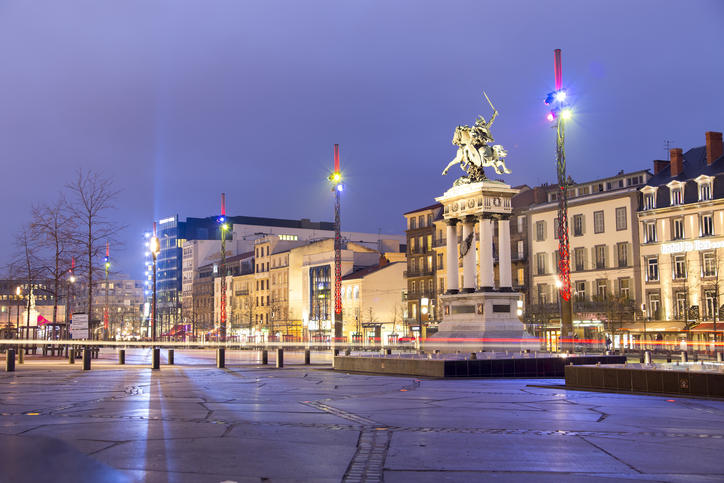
[482,320]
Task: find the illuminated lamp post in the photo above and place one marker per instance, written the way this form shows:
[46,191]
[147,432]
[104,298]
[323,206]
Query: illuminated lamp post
[106,308]
[68,308]
[18,296]
[337,186]
[223,228]
[155,249]
[560,113]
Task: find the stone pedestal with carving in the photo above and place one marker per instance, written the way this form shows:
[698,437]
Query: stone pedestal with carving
[483,316]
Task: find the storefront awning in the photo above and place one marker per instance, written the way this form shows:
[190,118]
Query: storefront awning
[655,326]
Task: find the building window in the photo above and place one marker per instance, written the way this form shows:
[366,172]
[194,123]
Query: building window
[679,266]
[521,250]
[705,191]
[540,230]
[429,219]
[543,293]
[709,264]
[649,201]
[431,287]
[624,288]
[521,276]
[622,253]
[650,231]
[421,221]
[441,284]
[413,288]
[710,303]
[681,305]
[600,256]
[413,223]
[601,288]
[621,218]
[652,269]
[581,291]
[678,227]
[598,222]
[707,225]
[654,305]
[577,225]
[541,263]
[676,197]
[520,224]
[439,261]
[556,228]
[580,258]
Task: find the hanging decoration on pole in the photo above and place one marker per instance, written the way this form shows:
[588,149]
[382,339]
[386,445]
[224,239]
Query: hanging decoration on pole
[560,113]
[223,228]
[337,187]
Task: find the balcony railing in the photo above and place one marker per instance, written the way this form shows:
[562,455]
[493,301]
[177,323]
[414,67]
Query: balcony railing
[439,242]
[420,294]
[418,273]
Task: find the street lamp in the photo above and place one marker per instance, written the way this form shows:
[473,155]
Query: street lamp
[155,248]
[18,293]
[68,309]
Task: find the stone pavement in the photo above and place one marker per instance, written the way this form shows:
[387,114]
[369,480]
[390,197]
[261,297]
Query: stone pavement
[196,423]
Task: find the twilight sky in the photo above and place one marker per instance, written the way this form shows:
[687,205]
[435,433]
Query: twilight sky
[180,100]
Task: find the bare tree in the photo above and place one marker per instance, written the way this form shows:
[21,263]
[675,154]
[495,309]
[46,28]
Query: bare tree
[51,227]
[25,267]
[92,198]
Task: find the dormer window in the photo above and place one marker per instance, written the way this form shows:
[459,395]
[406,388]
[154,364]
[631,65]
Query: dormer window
[705,187]
[676,196]
[649,197]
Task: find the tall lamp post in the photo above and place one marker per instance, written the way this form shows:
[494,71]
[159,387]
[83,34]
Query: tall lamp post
[337,186]
[561,113]
[18,296]
[68,308]
[155,249]
[224,227]
[106,309]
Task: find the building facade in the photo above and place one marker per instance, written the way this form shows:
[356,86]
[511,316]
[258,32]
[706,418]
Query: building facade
[681,228]
[604,254]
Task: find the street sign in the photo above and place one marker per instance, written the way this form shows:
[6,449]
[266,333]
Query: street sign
[79,326]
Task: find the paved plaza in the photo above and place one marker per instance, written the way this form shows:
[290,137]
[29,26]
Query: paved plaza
[192,422]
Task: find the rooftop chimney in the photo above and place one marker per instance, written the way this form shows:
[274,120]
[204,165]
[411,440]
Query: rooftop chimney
[713,146]
[539,195]
[677,161]
[659,166]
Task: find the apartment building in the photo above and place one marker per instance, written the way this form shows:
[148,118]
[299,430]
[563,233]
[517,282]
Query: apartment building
[681,228]
[604,252]
[421,297]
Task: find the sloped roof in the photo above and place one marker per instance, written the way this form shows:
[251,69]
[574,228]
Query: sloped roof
[694,165]
[368,270]
[431,207]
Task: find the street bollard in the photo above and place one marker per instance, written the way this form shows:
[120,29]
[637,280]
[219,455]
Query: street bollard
[647,357]
[21,356]
[684,356]
[473,356]
[71,355]
[307,356]
[265,357]
[86,359]
[388,351]
[220,357]
[170,357]
[121,356]
[280,357]
[719,357]
[10,360]
[156,358]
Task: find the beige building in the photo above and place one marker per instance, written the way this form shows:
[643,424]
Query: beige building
[604,253]
[373,303]
[681,227]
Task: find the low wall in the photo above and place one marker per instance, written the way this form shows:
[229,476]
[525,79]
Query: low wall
[648,379]
[494,367]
